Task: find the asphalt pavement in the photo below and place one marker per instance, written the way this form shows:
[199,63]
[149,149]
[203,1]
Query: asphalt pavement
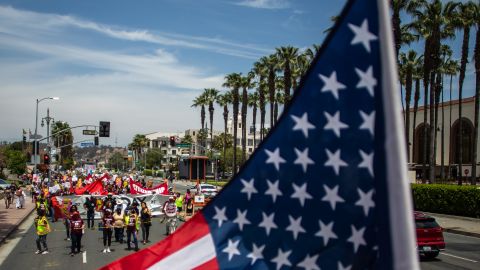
[461,252]
[19,251]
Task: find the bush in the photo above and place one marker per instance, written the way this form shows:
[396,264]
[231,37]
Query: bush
[447,199]
[149,172]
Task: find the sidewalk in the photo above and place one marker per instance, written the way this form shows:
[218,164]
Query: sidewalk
[459,225]
[12,217]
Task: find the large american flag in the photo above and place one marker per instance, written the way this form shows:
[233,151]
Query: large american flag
[327,188]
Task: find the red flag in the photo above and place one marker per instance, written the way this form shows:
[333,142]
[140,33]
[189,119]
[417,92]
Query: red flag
[96,188]
[135,188]
[61,207]
[176,250]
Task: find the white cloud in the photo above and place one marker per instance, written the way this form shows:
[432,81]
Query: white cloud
[266,4]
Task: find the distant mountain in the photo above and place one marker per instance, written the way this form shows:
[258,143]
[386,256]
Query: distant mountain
[98,153]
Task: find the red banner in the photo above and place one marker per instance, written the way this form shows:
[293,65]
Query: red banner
[138,189]
[95,188]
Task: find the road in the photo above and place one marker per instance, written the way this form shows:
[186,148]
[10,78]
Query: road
[462,252]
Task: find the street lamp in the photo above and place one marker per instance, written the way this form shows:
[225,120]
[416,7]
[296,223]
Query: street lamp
[36,130]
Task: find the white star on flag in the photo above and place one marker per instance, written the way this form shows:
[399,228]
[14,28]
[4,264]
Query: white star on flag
[334,161]
[357,238]
[249,188]
[282,258]
[368,122]
[273,189]
[326,232]
[267,223]
[300,193]
[295,226]
[220,215]
[334,123]
[332,196]
[362,35]
[367,162]
[331,84]
[341,267]
[241,219]
[275,158]
[303,159]
[309,263]
[232,249]
[256,253]
[301,123]
[366,80]
[365,201]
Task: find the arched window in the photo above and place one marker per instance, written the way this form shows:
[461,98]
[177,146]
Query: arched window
[467,141]
[419,141]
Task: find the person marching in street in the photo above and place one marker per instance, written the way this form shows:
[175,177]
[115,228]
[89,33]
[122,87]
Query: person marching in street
[90,206]
[77,228]
[133,224]
[20,194]
[51,210]
[107,220]
[42,228]
[146,222]
[118,223]
[170,211]
[67,220]
[179,202]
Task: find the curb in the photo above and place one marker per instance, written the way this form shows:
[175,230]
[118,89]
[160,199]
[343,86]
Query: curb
[455,231]
[15,227]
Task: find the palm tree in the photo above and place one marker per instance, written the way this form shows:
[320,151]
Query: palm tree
[201,101]
[464,21]
[246,83]
[286,59]
[476,57]
[261,71]
[63,139]
[272,70]
[232,81]
[451,68]
[399,33]
[253,100]
[409,61]
[278,98]
[312,52]
[210,98]
[224,100]
[139,142]
[432,21]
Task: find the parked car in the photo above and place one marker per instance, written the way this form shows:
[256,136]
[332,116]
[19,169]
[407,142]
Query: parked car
[207,190]
[429,235]
[4,184]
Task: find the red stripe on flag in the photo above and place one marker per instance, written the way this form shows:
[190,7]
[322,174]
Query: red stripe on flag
[190,232]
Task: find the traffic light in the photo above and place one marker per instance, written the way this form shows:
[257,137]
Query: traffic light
[96,140]
[46,159]
[172,140]
[104,129]
[24,138]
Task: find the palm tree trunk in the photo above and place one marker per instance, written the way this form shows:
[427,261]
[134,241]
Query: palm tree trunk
[271,90]
[450,104]
[433,129]
[202,116]
[476,56]
[254,122]
[235,128]
[275,112]
[408,95]
[244,124]
[287,78]
[415,109]
[403,105]
[442,159]
[211,111]
[437,101]
[225,122]
[463,65]
[261,97]
[425,132]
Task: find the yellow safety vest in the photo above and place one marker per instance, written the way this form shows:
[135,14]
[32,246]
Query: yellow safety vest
[179,201]
[42,226]
[137,223]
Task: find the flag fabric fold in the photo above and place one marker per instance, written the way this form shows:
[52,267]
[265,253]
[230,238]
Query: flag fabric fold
[327,188]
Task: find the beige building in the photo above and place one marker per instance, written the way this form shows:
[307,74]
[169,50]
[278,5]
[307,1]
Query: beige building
[448,118]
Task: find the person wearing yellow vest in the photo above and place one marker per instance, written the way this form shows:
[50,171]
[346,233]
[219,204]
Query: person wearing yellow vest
[179,202]
[133,226]
[43,228]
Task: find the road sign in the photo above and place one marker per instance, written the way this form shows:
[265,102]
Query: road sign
[33,137]
[183,145]
[86,144]
[89,132]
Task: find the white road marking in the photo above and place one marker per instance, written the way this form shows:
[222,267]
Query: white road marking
[84,257]
[7,247]
[458,257]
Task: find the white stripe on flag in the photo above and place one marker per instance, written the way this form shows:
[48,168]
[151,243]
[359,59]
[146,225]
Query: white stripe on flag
[191,256]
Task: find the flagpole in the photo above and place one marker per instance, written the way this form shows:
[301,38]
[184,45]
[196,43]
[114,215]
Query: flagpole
[399,195]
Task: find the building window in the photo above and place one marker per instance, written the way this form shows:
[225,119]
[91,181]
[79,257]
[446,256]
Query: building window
[194,133]
[174,152]
[238,142]
[419,142]
[250,142]
[467,141]
[164,152]
[250,150]
[239,125]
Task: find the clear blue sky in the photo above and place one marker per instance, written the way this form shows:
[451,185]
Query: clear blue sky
[138,64]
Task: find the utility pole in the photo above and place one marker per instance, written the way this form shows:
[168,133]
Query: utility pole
[48,119]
